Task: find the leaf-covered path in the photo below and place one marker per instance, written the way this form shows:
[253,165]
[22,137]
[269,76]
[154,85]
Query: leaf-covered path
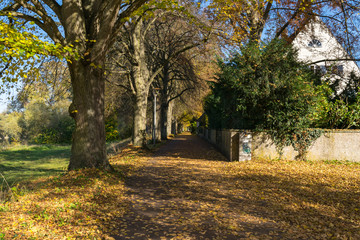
[186,190]
[183,192]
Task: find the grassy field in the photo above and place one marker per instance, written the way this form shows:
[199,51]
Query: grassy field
[20,163]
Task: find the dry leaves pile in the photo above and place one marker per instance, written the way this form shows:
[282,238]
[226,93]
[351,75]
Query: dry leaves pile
[186,191]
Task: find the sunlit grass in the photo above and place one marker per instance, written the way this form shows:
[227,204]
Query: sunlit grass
[21,163]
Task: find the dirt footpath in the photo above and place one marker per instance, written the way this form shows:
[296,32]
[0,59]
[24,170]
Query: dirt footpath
[183,192]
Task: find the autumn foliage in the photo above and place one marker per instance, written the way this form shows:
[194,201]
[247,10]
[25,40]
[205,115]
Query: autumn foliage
[187,191]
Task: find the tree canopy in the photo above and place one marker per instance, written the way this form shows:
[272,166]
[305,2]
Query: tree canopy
[157,45]
[90,28]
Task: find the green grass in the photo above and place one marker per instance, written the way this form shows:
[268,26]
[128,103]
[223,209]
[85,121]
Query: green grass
[21,163]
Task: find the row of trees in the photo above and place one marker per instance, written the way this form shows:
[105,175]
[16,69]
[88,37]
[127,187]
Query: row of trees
[154,53]
[84,32]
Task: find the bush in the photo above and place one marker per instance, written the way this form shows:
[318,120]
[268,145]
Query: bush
[10,131]
[265,88]
[340,105]
[262,88]
[44,124]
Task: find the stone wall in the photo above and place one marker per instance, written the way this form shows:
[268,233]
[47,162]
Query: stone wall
[239,145]
[234,144]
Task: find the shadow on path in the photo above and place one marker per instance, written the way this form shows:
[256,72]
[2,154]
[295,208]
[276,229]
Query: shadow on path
[190,147]
[175,195]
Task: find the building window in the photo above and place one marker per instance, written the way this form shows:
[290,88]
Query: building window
[335,69]
[323,69]
[328,69]
[318,69]
[340,70]
[314,43]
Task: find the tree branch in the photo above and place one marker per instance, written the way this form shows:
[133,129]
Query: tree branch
[119,85]
[6,66]
[14,7]
[282,29]
[334,60]
[151,79]
[47,24]
[181,93]
[267,10]
[54,6]
[118,63]
[125,14]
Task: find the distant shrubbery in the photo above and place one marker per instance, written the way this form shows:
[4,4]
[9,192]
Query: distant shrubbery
[39,114]
[38,123]
[339,109]
[116,131]
[41,123]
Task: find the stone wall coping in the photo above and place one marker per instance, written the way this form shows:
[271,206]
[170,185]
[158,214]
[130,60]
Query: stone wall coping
[325,130]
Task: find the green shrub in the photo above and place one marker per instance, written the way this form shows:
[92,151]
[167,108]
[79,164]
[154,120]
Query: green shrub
[265,88]
[111,130]
[262,88]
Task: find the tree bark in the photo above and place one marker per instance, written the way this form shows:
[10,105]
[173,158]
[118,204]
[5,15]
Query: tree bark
[142,80]
[139,128]
[169,117]
[158,125]
[164,120]
[88,146]
[174,127]
[90,27]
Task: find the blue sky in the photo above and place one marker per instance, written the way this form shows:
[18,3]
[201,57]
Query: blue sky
[4,98]
[3,103]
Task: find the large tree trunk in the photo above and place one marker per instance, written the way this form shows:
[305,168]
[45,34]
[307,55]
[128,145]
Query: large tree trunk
[141,80]
[88,146]
[164,120]
[169,117]
[89,27]
[139,129]
[174,127]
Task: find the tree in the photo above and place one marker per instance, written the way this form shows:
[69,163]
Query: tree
[134,56]
[244,21]
[10,131]
[90,27]
[130,56]
[263,89]
[175,43]
[19,51]
[119,110]
[50,82]
[42,105]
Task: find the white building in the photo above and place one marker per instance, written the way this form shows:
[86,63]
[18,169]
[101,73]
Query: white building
[316,43]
